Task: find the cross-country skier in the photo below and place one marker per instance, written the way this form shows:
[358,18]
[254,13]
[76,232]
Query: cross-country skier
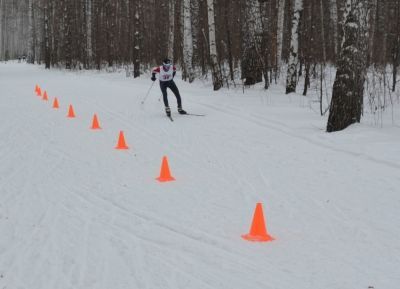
[166,73]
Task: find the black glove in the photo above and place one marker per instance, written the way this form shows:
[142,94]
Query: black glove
[153,77]
[173,74]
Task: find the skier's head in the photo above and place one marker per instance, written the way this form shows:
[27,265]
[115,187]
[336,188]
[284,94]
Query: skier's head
[167,63]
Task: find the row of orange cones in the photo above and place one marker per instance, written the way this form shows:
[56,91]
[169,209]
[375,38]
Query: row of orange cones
[258,231]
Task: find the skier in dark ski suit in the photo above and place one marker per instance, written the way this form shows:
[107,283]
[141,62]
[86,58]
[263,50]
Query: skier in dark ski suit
[166,74]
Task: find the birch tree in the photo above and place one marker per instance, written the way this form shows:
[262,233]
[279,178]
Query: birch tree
[171,14]
[279,34]
[216,73]
[46,35]
[291,78]
[2,22]
[334,18]
[137,44]
[348,89]
[252,60]
[187,41]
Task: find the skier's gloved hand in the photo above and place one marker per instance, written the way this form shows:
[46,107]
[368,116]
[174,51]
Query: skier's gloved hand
[153,77]
[173,74]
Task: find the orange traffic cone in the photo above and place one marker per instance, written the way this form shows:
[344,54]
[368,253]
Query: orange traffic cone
[39,92]
[121,142]
[36,89]
[71,113]
[165,174]
[55,103]
[45,96]
[258,231]
[95,123]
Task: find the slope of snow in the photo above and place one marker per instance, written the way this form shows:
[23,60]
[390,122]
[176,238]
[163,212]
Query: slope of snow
[76,213]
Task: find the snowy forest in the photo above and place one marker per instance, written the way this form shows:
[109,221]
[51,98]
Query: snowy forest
[240,42]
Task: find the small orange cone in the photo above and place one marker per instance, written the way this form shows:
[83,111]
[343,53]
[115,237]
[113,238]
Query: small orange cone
[55,103]
[165,174]
[71,113]
[36,89]
[258,231]
[121,142]
[39,92]
[95,123]
[45,96]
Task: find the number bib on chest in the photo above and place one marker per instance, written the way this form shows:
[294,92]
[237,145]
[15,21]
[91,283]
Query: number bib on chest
[166,75]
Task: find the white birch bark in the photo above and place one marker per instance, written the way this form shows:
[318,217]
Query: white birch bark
[279,36]
[291,78]
[334,18]
[217,79]
[32,33]
[171,29]
[187,40]
[323,33]
[89,30]
[252,56]
[374,4]
[1,31]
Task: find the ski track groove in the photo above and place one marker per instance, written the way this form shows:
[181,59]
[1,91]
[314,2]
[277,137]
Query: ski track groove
[283,129]
[200,237]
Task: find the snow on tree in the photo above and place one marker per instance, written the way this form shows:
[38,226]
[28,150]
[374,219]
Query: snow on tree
[348,89]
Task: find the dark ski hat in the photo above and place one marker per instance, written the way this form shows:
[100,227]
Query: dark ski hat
[167,61]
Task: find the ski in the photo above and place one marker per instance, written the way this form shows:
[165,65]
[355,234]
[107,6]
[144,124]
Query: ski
[194,114]
[170,118]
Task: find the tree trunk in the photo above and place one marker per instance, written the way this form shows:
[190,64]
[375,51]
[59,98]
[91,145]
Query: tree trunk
[279,36]
[47,56]
[216,73]
[252,67]
[187,41]
[334,19]
[348,88]
[291,78]
[171,30]
[137,44]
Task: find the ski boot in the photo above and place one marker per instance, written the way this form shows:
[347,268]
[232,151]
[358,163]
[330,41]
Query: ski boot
[168,111]
[181,111]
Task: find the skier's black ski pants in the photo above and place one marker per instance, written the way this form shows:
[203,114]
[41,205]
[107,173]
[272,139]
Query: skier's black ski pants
[171,85]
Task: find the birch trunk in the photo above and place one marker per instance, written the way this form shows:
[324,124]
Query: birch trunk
[348,88]
[32,33]
[216,73]
[171,29]
[187,41]
[46,36]
[89,31]
[334,19]
[291,78]
[1,31]
[136,56]
[252,58]
[279,36]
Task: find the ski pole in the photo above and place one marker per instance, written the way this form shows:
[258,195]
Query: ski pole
[148,92]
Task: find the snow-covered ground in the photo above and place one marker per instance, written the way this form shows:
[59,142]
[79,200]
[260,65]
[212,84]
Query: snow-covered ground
[75,213]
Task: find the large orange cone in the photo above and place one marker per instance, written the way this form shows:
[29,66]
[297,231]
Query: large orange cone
[95,123]
[55,103]
[165,174]
[71,113]
[36,89]
[121,142]
[258,230]
[45,96]
[39,92]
